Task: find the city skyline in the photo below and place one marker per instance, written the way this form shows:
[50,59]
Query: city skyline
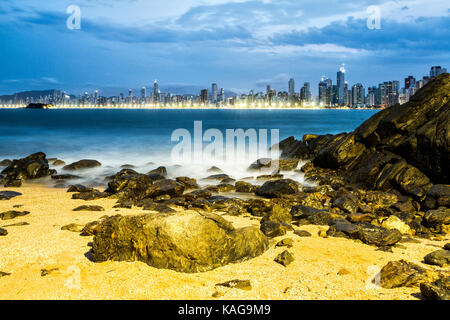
[245,44]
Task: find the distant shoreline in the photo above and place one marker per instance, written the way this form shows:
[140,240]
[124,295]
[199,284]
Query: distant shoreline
[192,108]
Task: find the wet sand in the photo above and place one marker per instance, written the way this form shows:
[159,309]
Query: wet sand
[315,273]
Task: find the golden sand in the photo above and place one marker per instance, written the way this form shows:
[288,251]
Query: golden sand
[324,268]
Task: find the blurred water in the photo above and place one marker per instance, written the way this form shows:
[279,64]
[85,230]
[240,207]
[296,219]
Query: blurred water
[137,137]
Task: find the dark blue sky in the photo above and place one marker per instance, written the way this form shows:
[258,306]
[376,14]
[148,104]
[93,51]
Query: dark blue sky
[241,45]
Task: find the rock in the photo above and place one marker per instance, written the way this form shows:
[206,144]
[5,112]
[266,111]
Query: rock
[89,208]
[3,232]
[322,234]
[288,164]
[123,205]
[439,258]
[303,212]
[215,170]
[273,229]
[73,227]
[13,183]
[5,163]
[4,274]
[130,185]
[245,187]
[162,171]
[18,224]
[164,187]
[47,271]
[401,273]
[32,167]
[413,182]
[275,189]
[189,241]
[259,207]
[65,177]
[237,284]
[260,164]
[9,215]
[92,229]
[361,217]
[348,203]
[302,233]
[447,246]
[7,195]
[58,163]
[285,258]
[270,177]
[394,223]
[434,218]
[79,188]
[82,164]
[343,272]
[438,196]
[288,242]
[438,290]
[277,214]
[188,183]
[90,195]
[323,218]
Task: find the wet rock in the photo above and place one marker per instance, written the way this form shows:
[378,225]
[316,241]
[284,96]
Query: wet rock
[259,207]
[447,246]
[73,227]
[89,208]
[58,163]
[225,187]
[216,177]
[7,195]
[288,164]
[323,218]
[198,194]
[439,258]
[438,290]
[162,171]
[123,205]
[188,183]
[186,242]
[215,170]
[361,217]
[401,273]
[285,258]
[237,284]
[303,212]
[270,177]
[9,215]
[302,233]
[82,164]
[413,182]
[260,164]
[275,189]
[3,232]
[245,187]
[129,185]
[32,167]
[164,187]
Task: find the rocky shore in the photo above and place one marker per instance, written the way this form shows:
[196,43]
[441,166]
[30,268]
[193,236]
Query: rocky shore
[377,198]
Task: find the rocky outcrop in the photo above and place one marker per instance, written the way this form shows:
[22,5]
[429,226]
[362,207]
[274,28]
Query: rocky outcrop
[82,164]
[32,167]
[188,241]
[404,148]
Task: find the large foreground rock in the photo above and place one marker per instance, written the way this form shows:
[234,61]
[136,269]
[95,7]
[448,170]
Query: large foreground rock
[439,290]
[188,242]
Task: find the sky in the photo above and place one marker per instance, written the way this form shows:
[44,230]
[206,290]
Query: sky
[241,45]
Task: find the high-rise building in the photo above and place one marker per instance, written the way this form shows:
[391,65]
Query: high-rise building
[437,71]
[325,92]
[204,96]
[341,93]
[156,91]
[143,93]
[269,89]
[410,82]
[291,85]
[358,94]
[215,92]
[305,93]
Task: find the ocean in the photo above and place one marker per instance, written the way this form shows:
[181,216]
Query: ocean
[141,136]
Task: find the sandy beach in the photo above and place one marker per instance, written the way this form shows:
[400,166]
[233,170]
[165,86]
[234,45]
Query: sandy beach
[324,268]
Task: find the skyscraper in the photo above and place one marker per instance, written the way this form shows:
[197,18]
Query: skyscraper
[358,94]
[291,85]
[325,92]
[155,91]
[410,82]
[143,93]
[437,71]
[204,96]
[341,93]
[215,92]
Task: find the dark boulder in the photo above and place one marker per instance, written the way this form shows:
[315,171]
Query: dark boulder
[9,215]
[89,208]
[5,163]
[129,185]
[3,232]
[186,242]
[438,196]
[438,290]
[82,164]
[245,187]
[434,218]
[274,229]
[188,183]
[164,187]
[401,273]
[278,188]
[439,258]
[159,171]
[285,258]
[32,167]
[348,203]
[90,195]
